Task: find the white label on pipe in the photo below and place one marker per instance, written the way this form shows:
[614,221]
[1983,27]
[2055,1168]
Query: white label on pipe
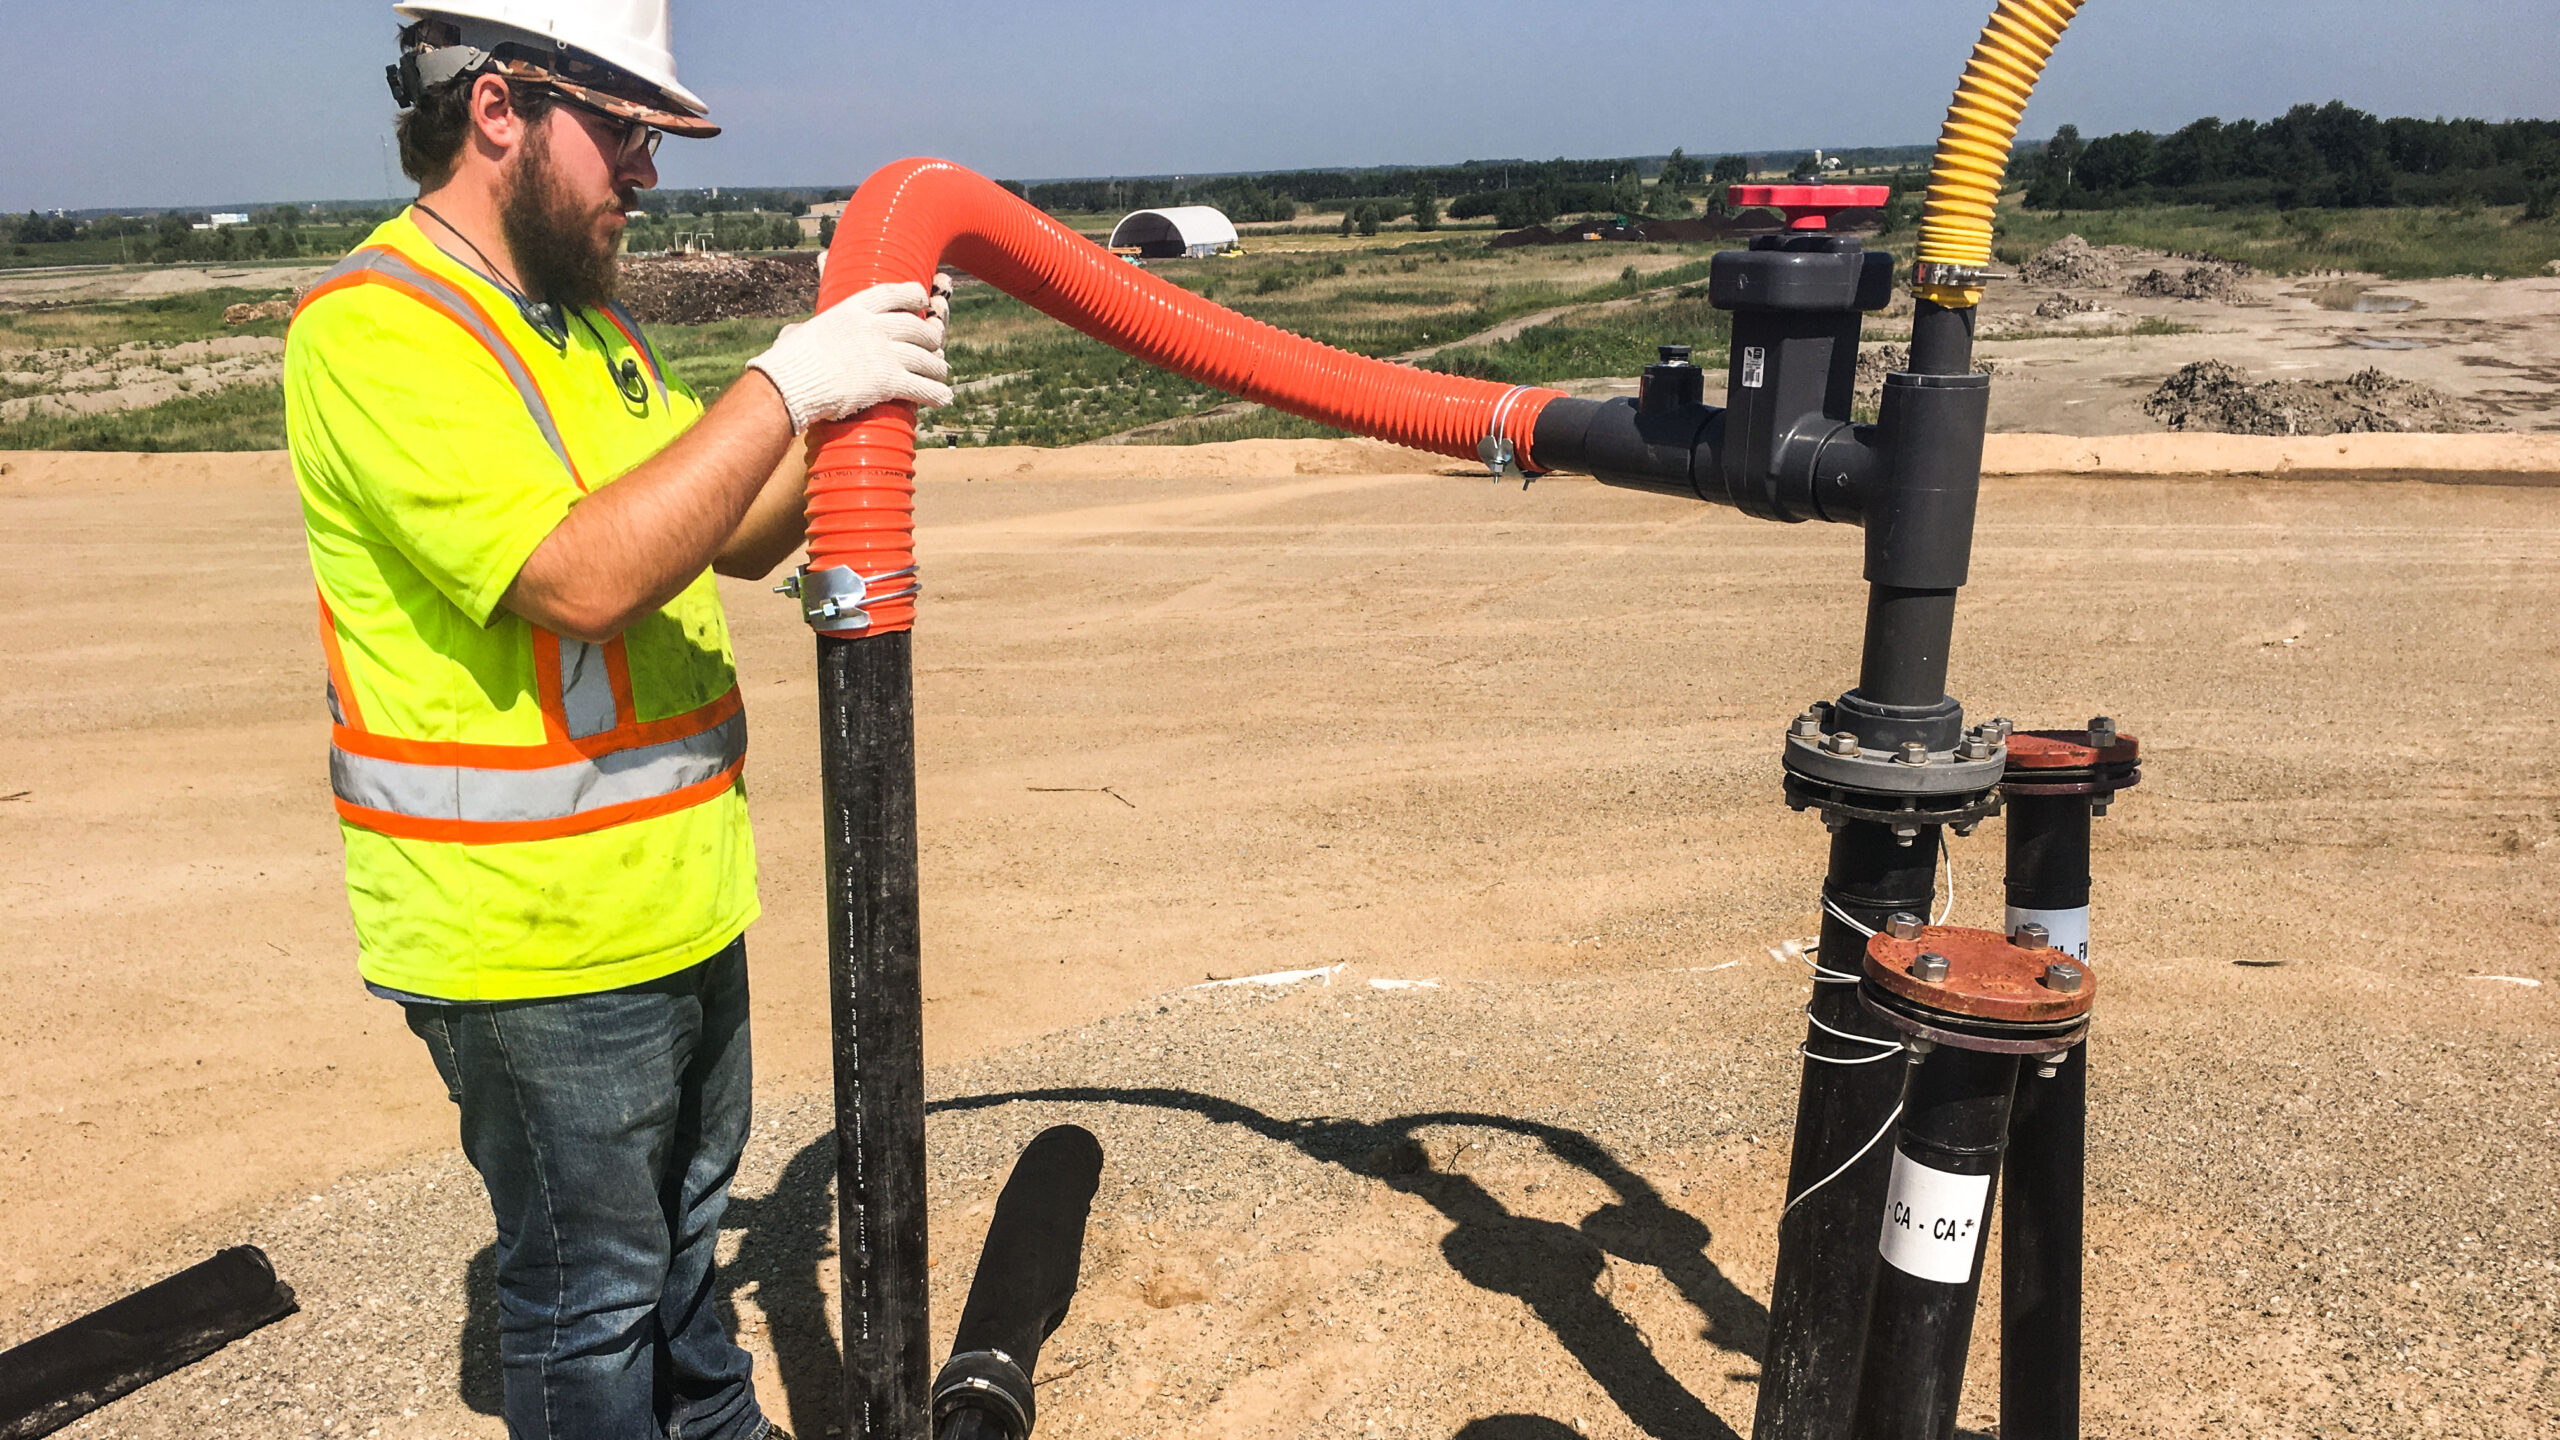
[2069,928]
[1755,367]
[1933,1221]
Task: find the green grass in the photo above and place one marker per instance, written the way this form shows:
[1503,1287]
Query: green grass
[709,357]
[1607,342]
[2398,244]
[243,417]
[1258,423]
[164,320]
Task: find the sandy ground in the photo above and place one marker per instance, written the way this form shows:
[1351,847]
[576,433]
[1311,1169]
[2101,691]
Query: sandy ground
[1241,709]
[2496,342]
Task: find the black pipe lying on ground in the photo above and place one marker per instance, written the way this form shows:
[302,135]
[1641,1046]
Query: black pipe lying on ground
[1026,1278]
[65,1374]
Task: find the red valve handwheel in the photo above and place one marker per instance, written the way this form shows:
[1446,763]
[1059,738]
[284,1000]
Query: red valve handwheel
[1809,207]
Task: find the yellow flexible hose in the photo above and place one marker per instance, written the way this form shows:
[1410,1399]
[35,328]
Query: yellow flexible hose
[1973,148]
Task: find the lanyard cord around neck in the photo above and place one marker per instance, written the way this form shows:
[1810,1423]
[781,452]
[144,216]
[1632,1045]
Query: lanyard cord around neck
[543,316]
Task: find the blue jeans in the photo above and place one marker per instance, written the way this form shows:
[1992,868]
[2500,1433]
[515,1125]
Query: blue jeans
[607,1128]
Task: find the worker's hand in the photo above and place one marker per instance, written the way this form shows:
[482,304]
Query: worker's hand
[882,344]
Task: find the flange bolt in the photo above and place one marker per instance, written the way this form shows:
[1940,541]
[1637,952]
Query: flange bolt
[2062,978]
[1841,743]
[2102,733]
[2000,727]
[1977,746]
[1932,967]
[2031,936]
[1808,726]
[1914,753]
[1902,925]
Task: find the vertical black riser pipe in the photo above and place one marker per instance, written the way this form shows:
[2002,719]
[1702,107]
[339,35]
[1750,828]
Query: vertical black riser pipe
[2041,1215]
[1827,1242]
[866,716]
[1938,1202]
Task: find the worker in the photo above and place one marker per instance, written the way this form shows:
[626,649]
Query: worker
[514,510]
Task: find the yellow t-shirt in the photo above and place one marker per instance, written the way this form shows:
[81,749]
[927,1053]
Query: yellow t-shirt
[435,446]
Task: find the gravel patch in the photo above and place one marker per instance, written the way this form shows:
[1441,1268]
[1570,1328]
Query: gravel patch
[1539,1209]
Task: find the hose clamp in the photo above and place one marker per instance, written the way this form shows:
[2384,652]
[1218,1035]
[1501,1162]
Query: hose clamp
[1952,276]
[989,1382]
[1501,459]
[840,597]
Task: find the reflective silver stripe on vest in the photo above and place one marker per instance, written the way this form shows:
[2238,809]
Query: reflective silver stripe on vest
[457,307]
[457,792]
[586,689]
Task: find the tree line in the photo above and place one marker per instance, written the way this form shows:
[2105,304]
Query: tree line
[2330,156]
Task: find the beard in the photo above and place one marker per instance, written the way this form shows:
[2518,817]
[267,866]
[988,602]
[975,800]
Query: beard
[563,249]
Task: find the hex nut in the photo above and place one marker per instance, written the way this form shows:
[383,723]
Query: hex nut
[2031,936]
[2001,727]
[1914,753]
[2063,978]
[1841,743]
[2102,733]
[1932,967]
[1808,726]
[1902,925]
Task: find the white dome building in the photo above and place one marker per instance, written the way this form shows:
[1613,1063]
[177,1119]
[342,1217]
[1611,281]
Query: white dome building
[1174,232]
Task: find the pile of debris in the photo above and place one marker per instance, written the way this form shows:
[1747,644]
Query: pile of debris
[2072,262]
[2062,307]
[251,314]
[1876,362]
[694,289]
[2212,395]
[2211,280]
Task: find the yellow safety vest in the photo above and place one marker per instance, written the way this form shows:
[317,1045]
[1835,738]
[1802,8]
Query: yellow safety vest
[525,814]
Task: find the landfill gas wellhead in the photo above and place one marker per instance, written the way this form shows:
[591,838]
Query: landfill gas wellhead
[1939,1063]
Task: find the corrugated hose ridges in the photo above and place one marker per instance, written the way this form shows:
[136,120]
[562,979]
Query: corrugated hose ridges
[913,215]
[1973,148]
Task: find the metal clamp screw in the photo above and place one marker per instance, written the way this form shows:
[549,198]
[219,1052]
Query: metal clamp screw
[1962,277]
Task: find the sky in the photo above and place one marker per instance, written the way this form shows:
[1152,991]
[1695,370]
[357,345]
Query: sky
[158,103]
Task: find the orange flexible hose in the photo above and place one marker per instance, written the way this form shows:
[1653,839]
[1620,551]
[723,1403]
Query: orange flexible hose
[912,214]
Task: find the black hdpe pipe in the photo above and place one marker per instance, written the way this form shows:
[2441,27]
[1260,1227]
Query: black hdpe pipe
[2044,1179]
[1026,1279]
[867,742]
[64,1374]
[1920,1325]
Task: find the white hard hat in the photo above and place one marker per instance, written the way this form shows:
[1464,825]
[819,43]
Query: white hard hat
[629,35]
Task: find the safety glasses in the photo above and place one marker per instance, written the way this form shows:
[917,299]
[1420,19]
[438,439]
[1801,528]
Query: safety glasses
[632,140]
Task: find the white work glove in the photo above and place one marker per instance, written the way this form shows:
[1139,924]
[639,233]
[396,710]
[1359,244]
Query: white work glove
[866,349]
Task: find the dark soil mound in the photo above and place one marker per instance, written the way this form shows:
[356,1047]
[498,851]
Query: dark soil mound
[693,289]
[2070,261]
[2212,280]
[2212,395]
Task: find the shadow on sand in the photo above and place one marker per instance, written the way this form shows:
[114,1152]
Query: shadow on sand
[1546,1265]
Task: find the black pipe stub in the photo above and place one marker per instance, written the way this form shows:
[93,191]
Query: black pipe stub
[1978,989]
[2096,761]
